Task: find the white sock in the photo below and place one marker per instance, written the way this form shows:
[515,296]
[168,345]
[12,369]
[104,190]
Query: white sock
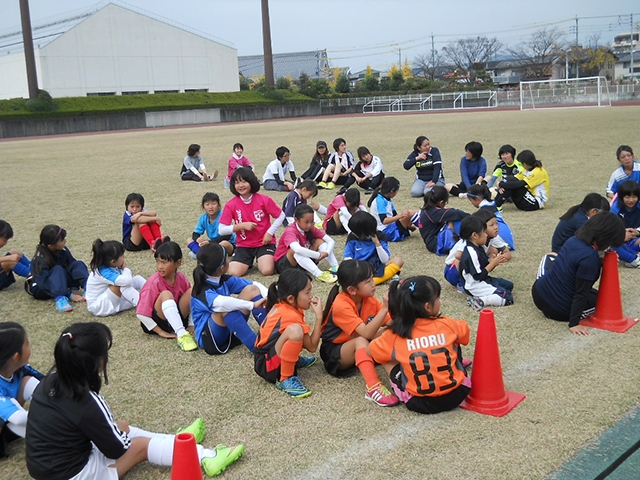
[172,314]
[138,282]
[308,264]
[493,300]
[331,259]
[160,450]
[322,210]
[130,294]
[135,432]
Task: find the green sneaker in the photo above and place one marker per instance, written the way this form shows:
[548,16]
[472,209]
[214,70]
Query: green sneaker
[294,387]
[330,186]
[187,343]
[327,277]
[322,185]
[197,428]
[225,456]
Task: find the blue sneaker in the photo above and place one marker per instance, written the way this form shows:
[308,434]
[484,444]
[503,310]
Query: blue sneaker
[62,304]
[304,362]
[334,269]
[294,387]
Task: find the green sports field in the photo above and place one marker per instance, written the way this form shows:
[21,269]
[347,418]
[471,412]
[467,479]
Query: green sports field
[576,387]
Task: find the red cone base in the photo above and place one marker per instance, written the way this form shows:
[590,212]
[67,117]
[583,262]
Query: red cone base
[488,395]
[186,465]
[608,314]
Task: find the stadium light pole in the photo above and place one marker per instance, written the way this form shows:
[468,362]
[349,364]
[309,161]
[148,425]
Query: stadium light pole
[266,44]
[29,54]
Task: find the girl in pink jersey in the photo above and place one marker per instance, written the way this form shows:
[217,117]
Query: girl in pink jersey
[164,304]
[248,215]
[303,245]
[236,161]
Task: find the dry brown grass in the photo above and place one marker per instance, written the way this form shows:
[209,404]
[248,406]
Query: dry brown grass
[575,387]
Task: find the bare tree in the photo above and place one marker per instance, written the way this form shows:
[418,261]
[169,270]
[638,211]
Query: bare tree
[468,54]
[429,63]
[538,52]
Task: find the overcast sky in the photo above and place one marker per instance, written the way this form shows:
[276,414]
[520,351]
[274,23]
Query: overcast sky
[361,32]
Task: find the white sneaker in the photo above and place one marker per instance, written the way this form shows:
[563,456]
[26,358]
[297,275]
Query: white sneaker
[633,264]
[462,195]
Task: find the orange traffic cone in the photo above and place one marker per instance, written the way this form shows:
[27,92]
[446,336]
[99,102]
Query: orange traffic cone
[487,395]
[186,465]
[608,314]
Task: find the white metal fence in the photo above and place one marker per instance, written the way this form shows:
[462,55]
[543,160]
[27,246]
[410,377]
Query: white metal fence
[453,100]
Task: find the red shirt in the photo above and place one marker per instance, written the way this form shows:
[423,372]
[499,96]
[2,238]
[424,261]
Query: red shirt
[293,234]
[258,210]
[155,285]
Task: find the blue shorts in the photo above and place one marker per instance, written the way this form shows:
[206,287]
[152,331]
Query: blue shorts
[452,275]
[6,279]
[395,232]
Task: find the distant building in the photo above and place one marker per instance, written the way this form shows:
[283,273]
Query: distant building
[622,43]
[509,72]
[118,51]
[314,63]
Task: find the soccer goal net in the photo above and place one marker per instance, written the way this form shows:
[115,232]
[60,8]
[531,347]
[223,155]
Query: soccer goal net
[571,92]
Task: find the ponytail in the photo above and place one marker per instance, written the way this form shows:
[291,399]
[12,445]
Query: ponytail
[81,355]
[388,185]
[350,274]
[210,259]
[527,157]
[105,252]
[289,284]
[407,301]
[434,196]
[590,201]
[479,191]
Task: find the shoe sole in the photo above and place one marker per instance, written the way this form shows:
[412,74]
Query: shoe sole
[297,395]
[381,404]
[235,459]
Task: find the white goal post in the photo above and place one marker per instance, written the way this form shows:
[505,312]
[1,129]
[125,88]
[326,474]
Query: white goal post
[565,93]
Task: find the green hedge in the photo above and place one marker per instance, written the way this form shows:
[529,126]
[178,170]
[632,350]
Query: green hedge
[18,108]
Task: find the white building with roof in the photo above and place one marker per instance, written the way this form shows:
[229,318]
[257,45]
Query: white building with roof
[117,51]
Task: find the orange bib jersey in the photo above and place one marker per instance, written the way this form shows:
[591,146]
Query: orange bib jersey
[429,359]
[344,317]
[280,317]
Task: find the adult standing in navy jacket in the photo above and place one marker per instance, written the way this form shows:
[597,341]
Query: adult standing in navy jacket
[428,163]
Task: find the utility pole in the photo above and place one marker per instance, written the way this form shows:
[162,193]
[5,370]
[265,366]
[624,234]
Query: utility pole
[577,60]
[266,45]
[633,78]
[399,58]
[433,58]
[29,54]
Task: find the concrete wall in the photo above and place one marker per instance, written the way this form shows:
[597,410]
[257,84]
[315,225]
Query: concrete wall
[99,123]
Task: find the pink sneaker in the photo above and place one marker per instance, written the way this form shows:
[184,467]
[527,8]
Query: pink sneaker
[382,397]
[466,362]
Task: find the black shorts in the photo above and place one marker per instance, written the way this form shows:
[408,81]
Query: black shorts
[212,348]
[247,255]
[129,246]
[6,279]
[284,264]
[427,404]
[330,354]
[267,365]
[332,228]
[163,324]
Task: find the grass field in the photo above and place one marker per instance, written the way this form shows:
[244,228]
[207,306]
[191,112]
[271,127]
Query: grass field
[576,387]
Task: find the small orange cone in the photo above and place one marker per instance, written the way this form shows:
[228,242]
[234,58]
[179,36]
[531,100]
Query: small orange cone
[608,314]
[487,395]
[186,465]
